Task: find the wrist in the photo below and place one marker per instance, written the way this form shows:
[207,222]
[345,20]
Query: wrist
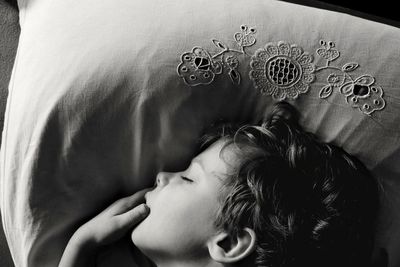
[80,251]
[83,241]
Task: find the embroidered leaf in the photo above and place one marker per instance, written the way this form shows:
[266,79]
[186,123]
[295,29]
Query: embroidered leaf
[325,92]
[218,44]
[347,88]
[349,66]
[235,76]
[366,80]
[238,37]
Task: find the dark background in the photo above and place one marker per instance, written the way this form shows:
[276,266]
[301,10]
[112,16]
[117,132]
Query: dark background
[383,11]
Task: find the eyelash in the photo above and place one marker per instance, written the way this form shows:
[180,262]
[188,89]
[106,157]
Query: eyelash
[186,179]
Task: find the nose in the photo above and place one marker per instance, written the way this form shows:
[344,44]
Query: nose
[163,178]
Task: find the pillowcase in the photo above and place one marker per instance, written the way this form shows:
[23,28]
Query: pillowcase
[104,94]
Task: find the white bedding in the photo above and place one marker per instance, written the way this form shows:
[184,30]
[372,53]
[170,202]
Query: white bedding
[98,105]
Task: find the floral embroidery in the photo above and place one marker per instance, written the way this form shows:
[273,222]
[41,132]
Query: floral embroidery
[360,93]
[282,70]
[199,67]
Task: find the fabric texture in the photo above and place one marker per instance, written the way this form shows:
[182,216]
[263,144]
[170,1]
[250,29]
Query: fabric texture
[9,32]
[104,94]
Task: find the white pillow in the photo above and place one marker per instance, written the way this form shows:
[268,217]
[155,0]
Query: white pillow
[100,100]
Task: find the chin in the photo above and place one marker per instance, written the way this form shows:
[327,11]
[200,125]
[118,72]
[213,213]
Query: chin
[140,240]
[138,232]
[137,235]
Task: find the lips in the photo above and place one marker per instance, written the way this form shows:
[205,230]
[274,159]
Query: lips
[146,197]
[150,195]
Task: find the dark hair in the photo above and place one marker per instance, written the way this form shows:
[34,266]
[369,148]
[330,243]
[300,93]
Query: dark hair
[310,203]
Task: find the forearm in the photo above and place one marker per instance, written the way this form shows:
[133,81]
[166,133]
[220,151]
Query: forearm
[78,253]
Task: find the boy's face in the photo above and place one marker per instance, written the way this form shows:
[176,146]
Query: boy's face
[183,207]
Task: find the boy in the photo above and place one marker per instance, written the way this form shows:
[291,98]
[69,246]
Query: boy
[269,195]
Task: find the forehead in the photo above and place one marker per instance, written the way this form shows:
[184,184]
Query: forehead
[219,157]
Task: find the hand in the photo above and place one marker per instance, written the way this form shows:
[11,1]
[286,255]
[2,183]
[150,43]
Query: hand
[114,222]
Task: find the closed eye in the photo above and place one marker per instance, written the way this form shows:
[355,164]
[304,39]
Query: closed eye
[186,179]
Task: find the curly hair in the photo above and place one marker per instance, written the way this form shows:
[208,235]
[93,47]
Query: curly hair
[310,203]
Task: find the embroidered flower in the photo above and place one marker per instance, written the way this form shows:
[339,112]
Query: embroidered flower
[245,37]
[360,93]
[334,79]
[282,70]
[198,67]
[326,50]
[363,95]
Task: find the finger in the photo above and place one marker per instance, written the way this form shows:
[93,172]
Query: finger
[127,203]
[139,195]
[133,216]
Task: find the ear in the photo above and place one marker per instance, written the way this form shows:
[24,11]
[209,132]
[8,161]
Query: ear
[225,248]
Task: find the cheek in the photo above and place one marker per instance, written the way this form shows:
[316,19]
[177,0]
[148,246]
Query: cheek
[179,214]
[179,221]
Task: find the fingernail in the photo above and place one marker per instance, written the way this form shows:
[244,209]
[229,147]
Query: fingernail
[144,209]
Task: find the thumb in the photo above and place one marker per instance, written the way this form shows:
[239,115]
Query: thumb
[133,216]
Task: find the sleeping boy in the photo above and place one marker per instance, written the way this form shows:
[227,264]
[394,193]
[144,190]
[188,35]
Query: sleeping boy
[260,195]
